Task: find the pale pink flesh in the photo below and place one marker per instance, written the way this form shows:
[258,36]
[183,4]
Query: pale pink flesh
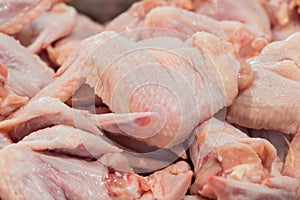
[27,74]
[170,21]
[55,175]
[9,101]
[278,139]
[275,88]
[137,125]
[170,183]
[128,161]
[283,32]
[292,161]
[15,14]
[117,184]
[42,113]
[185,4]
[194,197]
[284,16]
[231,189]
[68,140]
[84,28]
[278,12]
[284,63]
[126,66]
[27,174]
[4,140]
[108,87]
[47,28]
[265,95]
[222,150]
[249,12]
[130,22]
[70,77]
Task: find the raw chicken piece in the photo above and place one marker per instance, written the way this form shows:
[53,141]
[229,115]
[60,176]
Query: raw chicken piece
[132,20]
[9,101]
[285,63]
[71,141]
[4,140]
[68,81]
[278,11]
[164,43]
[232,189]
[292,161]
[26,174]
[47,28]
[284,18]
[15,14]
[185,4]
[41,113]
[283,32]
[220,150]
[251,13]
[194,197]
[179,113]
[170,183]
[139,162]
[85,27]
[278,139]
[120,123]
[27,74]
[130,23]
[271,103]
[53,175]
[170,21]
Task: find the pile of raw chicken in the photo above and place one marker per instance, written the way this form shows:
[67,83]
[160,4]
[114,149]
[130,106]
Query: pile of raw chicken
[175,99]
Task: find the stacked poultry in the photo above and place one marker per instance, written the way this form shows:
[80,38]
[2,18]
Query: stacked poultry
[175,99]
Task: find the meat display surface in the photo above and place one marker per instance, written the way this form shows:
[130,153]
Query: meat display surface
[169,100]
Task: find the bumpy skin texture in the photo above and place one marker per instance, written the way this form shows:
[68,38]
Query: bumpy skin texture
[173,96]
[15,15]
[268,100]
[227,160]
[272,102]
